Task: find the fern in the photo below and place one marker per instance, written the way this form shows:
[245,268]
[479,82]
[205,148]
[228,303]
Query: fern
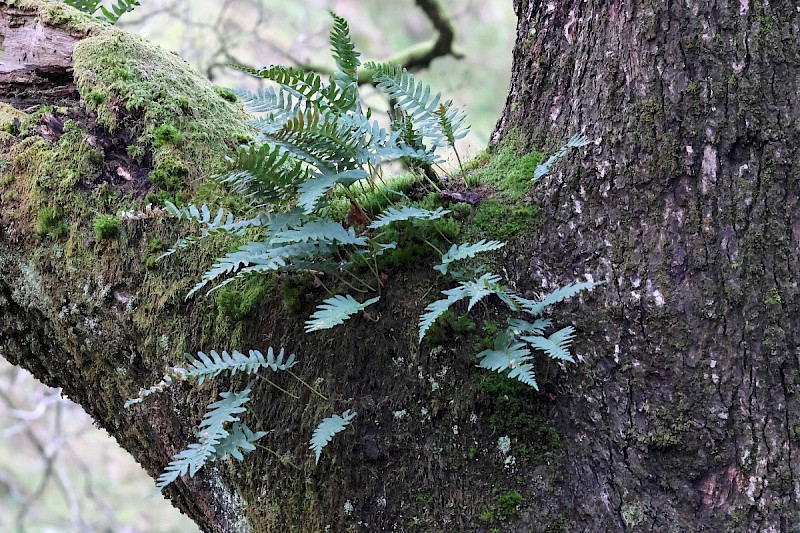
[212,432]
[406,213]
[511,358]
[537,328]
[558,295]
[475,290]
[440,121]
[240,440]
[112,15]
[265,174]
[211,365]
[556,346]
[335,311]
[466,251]
[576,141]
[326,430]
[344,52]
[326,231]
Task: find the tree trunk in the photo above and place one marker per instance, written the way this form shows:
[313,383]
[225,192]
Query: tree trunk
[681,415]
[684,415]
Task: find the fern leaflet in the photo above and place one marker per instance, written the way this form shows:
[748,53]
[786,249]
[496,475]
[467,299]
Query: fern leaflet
[335,311]
[327,429]
[212,431]
[513,358]
[211,365]
[465,251]
[556,346]
[239,439]
[406,213]
[576,141]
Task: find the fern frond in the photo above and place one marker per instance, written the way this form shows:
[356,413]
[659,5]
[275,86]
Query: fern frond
[264,174]
[558,295]
[89,7]
[319,139]
[316,186]
[306,86]
[212,431]
[434,118]
[406,213]
[576,141]
[320,231]
[522,326]
[209,366]
[326,429]
[261,253]
[335,311]
[344,52]
[511,358]
[465,251]
[556,346]
[475,290]
[118,9]
[239,439]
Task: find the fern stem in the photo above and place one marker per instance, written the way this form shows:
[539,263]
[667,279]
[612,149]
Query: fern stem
[280,388]
[350,285]
[429,243]
[312,389]
[460,166]
[280,457]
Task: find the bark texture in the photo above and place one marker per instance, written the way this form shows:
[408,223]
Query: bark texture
[685,414]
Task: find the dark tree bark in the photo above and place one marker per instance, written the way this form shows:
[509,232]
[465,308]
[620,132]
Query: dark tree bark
[683,412]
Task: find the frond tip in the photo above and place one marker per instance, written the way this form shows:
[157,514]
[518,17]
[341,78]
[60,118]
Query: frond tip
[327,429]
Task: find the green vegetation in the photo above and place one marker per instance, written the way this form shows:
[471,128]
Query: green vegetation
[236,301]
[167,134]
[105,227]
[50,223]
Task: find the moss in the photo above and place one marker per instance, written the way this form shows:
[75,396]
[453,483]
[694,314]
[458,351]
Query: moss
[774,297]
[105,227]
[692,88]
[496,220]
[509,169]
[296,292]
[169,174]
[225,94]
[236,301]
[51,224]
[167,134]
[508,505]
[161,100]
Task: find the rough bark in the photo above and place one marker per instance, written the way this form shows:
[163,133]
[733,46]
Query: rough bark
[684,415]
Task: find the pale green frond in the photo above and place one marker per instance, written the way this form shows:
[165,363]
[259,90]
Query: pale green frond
[326,430]
[209,366]
[558,295]
[211,431]
[344,52]
[406,212]
[514,359]
[320,231]
[436,309]
[576,141]
[556,346]
[335,311]
[466,251]
[238,442]
[317,186]
[523,326]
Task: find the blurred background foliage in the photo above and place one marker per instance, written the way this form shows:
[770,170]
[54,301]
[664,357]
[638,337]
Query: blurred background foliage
[58,473]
